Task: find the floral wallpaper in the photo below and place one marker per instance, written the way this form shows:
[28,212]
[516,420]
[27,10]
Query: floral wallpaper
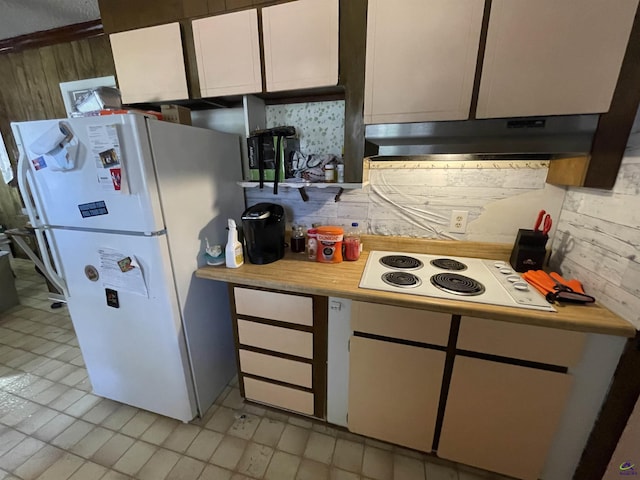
[320,125]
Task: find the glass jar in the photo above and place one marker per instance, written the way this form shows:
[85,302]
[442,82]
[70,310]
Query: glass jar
[297,239]
[330,173]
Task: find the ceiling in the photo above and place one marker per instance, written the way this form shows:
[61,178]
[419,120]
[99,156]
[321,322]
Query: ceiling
[19,17]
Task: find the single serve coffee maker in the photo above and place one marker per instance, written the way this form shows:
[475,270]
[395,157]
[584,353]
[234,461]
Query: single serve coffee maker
[263,225]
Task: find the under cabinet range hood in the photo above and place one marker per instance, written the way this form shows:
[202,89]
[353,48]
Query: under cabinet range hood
[558,135]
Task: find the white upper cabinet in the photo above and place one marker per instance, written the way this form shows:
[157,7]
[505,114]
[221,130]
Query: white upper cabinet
[421,59]
[553,57]
[301,44]
[228,54]
[150,64]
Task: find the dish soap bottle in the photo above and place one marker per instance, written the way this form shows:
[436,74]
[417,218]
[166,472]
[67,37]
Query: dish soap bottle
[233,251]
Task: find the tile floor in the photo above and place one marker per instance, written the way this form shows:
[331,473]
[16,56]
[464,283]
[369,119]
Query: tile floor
[53,428]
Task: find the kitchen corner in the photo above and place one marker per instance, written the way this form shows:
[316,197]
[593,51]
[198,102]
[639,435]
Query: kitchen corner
[378,359]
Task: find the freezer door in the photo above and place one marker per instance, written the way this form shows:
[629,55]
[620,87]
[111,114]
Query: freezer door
[133,344]
[92,172]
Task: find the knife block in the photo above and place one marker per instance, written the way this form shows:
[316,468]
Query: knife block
[529,250]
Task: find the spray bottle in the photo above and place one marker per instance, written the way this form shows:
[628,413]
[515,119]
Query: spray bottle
[233,251]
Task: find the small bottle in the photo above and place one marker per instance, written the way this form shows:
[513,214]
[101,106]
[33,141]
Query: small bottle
[297,239]
[312,243]
[330,173]
[233,255]
[340,171]
[353,247]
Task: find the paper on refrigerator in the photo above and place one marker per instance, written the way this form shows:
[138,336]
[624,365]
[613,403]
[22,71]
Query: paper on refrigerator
[5,164]
[120,271]
[105,150]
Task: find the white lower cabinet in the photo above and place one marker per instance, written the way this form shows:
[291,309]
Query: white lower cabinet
[280,349]
[502,417]
[394,391]
[505,386]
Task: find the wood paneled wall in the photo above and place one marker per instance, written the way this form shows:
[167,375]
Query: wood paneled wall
[30,90]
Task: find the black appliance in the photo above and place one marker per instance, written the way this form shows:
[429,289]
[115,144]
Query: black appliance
[270,153]
[263,226]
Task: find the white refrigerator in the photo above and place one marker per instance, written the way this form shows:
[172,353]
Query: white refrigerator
[125,203]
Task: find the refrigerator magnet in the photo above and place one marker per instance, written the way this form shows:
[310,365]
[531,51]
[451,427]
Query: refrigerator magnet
[112,298]
[91,273]
[125,264]
[39,163]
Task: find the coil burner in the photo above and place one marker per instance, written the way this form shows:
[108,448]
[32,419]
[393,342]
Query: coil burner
[403,262]
[457,284]
[401,279]
[448,264]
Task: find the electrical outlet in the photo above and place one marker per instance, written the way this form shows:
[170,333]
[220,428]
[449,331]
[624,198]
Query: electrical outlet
[458,221]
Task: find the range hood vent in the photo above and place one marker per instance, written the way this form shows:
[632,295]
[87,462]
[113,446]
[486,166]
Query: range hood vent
[558,135]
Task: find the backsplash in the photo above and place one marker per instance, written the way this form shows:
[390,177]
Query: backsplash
[598,237]
[419,202]
[414,202]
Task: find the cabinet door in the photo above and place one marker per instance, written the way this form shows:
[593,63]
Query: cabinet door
[301,44]
[551,57]
[228,54]
[420,60]
[394,391]
[502,417]
[150,64]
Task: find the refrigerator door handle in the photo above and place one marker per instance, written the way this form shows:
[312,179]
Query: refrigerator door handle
[28,198]
[25,191]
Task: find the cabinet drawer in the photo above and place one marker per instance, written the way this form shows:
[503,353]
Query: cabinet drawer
[525,342]
[274,306]
[278,396]
[277,368]
[278,339]
[397,322]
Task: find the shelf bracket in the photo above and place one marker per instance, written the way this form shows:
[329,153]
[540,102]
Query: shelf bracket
[303,194]
[339,194]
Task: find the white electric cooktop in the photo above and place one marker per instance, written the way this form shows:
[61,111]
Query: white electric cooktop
[455,278]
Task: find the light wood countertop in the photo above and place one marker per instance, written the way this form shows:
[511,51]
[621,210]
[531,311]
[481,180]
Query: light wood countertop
[294,273]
